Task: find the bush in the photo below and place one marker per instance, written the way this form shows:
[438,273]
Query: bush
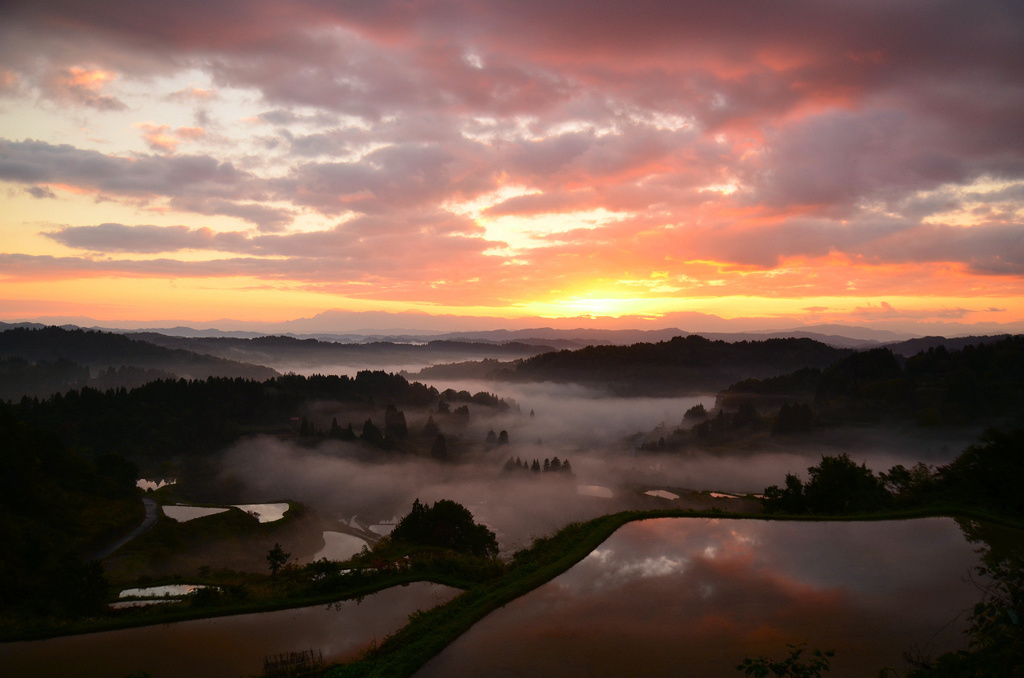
[446,524]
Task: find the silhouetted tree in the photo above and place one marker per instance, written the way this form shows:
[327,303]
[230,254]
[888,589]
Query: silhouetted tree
[916,485]
[431,429]
[439,450]
[394,423]
[697,412]
[446,524]
[793,418]
[839,485]
[990,473]
[793,666]
[371,434]
[276,558]
[786,500]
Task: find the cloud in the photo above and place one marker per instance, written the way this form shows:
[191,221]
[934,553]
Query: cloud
[196,183]
[38,161]
[886,311]
[396,176]
[162,139]
[193,94]
[83,86]
[40,192]
[267,219]
[815,149]
[136,239]
[9,82]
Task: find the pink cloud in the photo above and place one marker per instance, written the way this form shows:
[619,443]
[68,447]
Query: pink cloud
[814,147]
[162,138]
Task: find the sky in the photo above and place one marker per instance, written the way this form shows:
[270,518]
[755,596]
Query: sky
[800,161]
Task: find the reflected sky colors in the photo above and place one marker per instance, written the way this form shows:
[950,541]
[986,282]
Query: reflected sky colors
[678,597]
[225,646]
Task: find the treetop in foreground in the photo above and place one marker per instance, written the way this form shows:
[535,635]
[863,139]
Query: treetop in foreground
[446,524]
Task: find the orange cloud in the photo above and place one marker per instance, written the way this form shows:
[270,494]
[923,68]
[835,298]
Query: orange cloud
[84,85]
[162,138]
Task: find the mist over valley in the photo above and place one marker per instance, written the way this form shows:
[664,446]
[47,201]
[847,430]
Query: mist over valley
[533,445]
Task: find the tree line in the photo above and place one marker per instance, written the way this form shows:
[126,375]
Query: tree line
[934,387]
[987,475]
[553,465]
[174,418]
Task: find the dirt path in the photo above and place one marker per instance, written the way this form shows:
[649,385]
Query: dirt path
[152,512]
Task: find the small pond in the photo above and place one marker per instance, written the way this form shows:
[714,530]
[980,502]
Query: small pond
[265,513]
[675,597]
[339,546]
[183,513]
[167,590]
[225,646]
[145,484]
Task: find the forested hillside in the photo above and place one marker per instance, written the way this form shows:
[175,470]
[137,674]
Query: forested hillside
[683,365]
[56,508]
[277,350]
[936,386]
[38,362]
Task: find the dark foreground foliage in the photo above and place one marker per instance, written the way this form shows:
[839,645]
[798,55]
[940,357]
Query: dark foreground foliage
[987,476]
[446,525]
[56,509]
[995,630]
[796,665]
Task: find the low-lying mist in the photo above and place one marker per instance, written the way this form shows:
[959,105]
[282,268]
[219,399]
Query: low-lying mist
[596,433]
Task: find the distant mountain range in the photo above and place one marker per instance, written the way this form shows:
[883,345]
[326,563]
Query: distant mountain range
[558,338]
[833,335]
[37,360]
[408,327]
[526,341]
[284,353]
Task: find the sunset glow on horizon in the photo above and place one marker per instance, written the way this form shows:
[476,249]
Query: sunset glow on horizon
[801,162]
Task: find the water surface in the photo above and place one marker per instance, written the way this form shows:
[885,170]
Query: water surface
[224,647]
[690,597]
